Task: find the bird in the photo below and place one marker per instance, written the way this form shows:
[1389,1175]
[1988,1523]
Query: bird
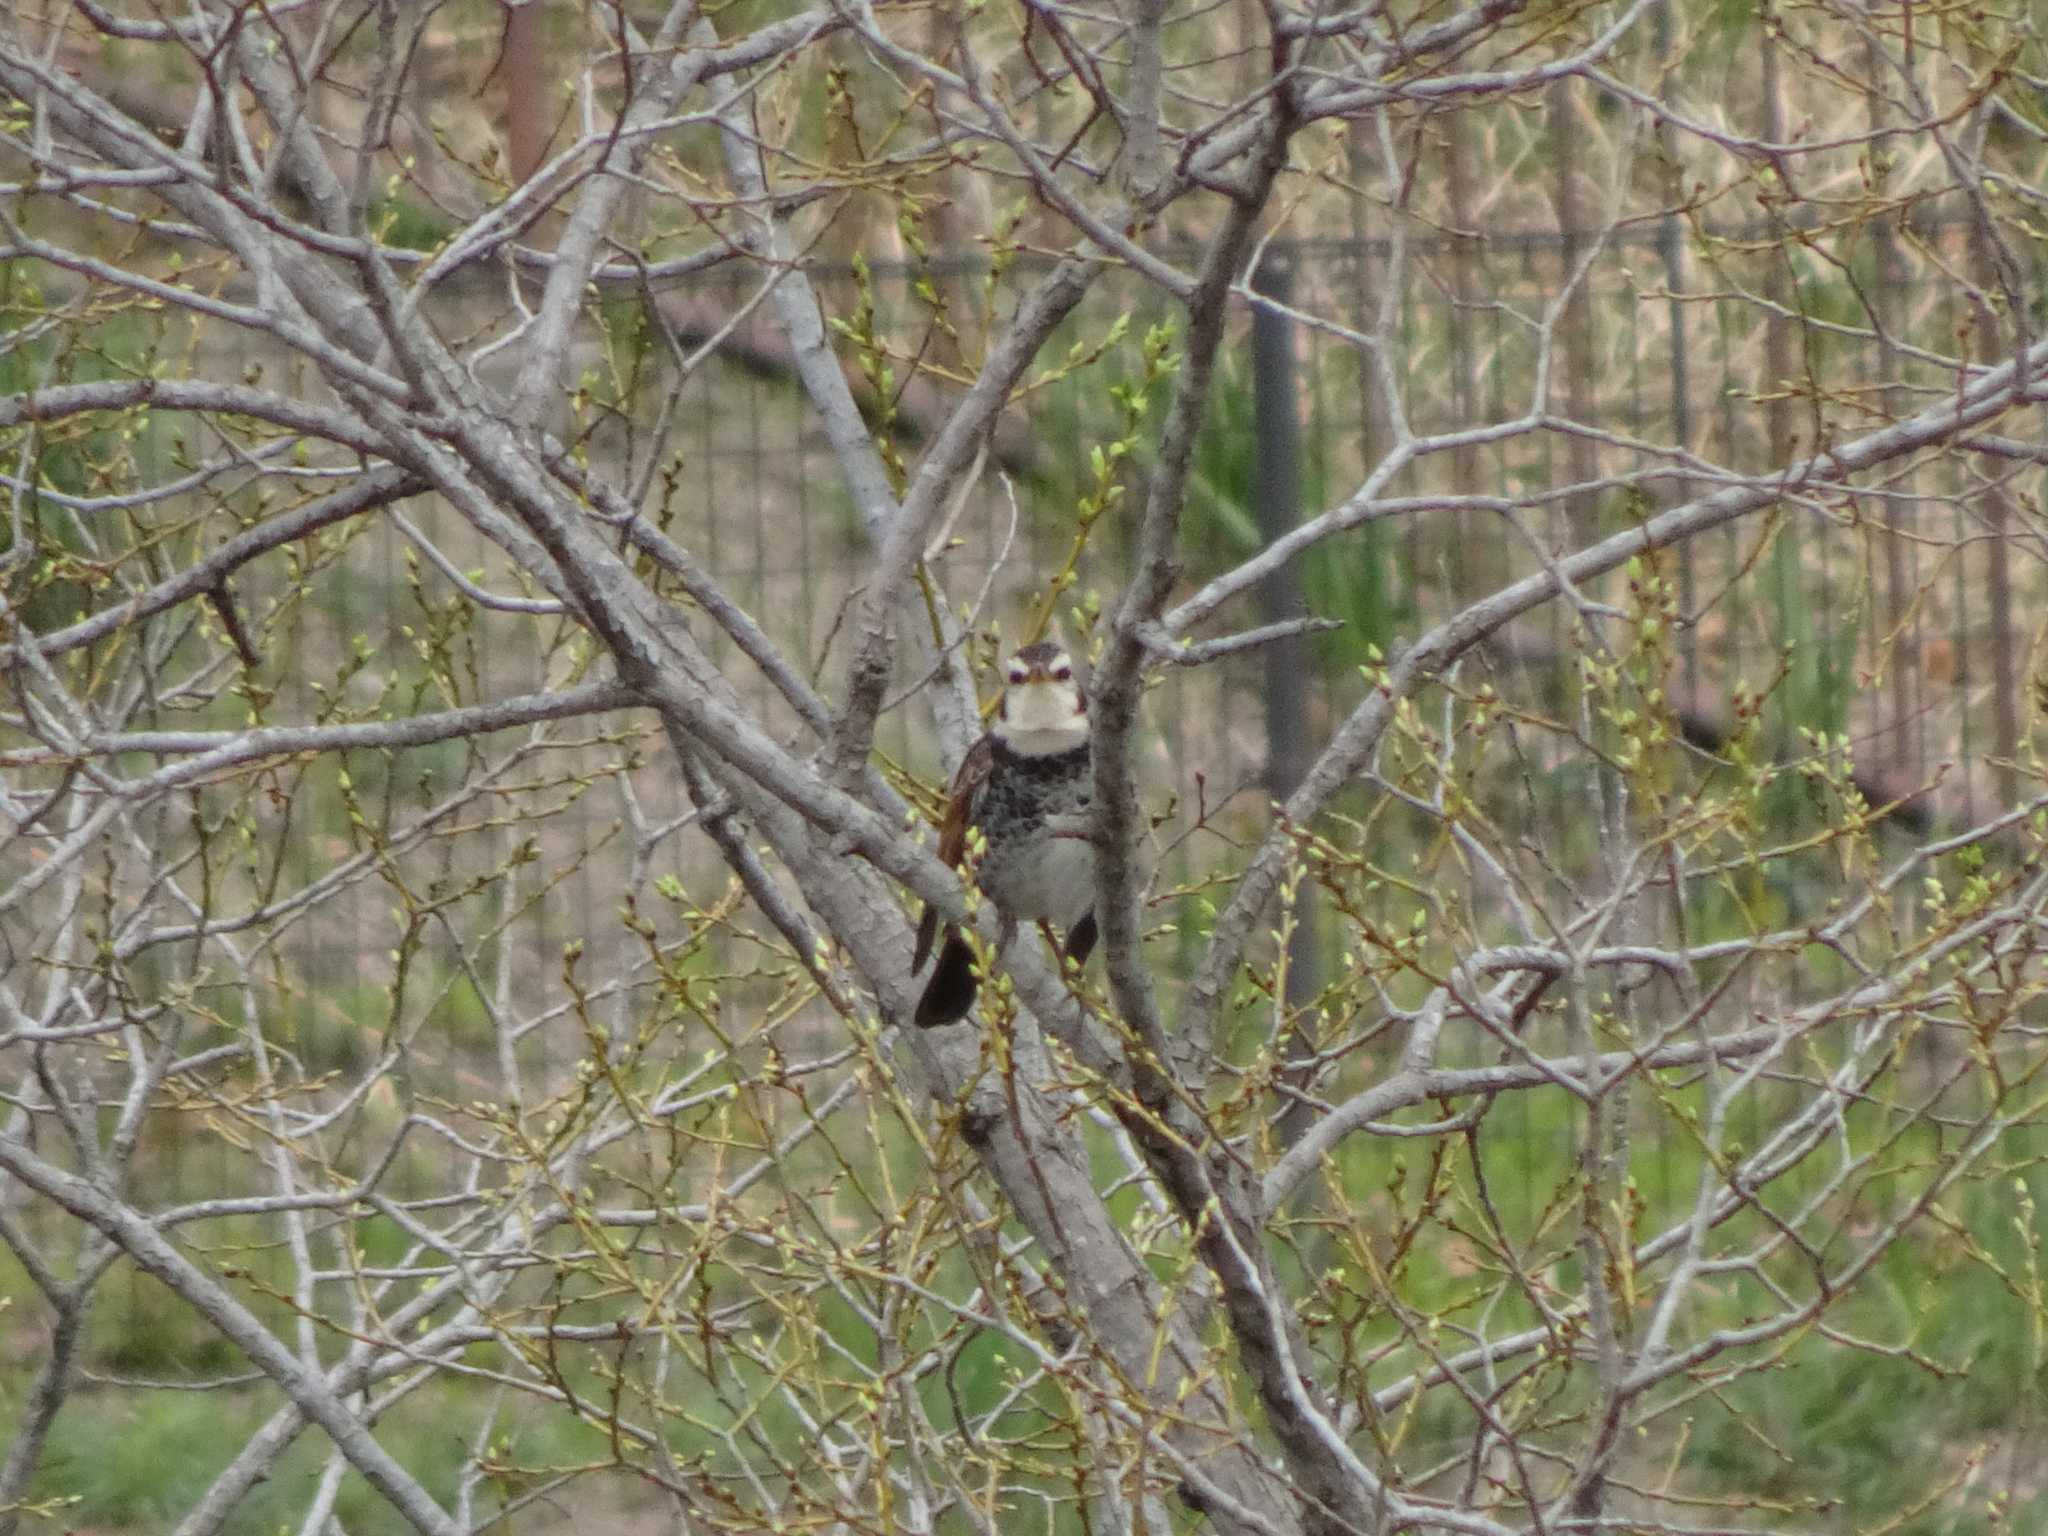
[1024,786]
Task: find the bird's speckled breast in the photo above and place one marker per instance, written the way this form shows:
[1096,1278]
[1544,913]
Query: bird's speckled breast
[1028,872]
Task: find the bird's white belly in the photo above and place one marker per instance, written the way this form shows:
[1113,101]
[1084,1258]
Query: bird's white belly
[1050,879]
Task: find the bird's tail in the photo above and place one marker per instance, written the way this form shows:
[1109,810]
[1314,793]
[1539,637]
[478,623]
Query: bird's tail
[950,992]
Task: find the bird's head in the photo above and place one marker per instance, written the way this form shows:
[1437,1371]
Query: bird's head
[1043,709]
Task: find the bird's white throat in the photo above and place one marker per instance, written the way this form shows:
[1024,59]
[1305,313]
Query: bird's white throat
[1042,718]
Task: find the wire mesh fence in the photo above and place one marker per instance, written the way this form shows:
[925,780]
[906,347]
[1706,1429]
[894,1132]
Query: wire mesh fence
[1892,615]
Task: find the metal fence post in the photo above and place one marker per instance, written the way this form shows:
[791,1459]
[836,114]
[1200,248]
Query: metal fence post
[1276,497]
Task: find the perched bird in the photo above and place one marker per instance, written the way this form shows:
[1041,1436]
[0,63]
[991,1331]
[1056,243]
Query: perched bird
[1024,785]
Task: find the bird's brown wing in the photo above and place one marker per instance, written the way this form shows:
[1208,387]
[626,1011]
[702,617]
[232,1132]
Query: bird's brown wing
[960,804]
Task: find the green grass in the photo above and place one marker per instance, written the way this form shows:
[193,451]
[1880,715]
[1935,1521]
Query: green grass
[1870,1434]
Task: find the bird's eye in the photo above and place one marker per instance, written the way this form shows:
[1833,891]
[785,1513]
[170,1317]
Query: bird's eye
[1018,674]
[1063,673]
